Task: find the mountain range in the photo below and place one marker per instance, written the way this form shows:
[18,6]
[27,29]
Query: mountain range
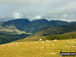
[35,25]
[16,29]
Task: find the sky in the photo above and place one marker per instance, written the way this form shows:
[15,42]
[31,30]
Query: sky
[37,9]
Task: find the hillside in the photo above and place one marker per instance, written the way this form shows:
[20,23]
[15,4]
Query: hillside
[11,33]
[39,28]
[37,49]
[53,32]
[6,37]
[71,35]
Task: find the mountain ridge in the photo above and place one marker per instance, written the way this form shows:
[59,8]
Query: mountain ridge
[35,25]
[37,29]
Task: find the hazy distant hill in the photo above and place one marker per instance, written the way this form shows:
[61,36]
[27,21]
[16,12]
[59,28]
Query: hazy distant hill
[18,23]
[9,33]
[35,25]
[11,29]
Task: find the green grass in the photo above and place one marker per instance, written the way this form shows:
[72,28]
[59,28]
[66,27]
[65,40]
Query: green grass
[71,35]
[37,48]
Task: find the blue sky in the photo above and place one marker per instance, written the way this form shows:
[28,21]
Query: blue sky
[36,9]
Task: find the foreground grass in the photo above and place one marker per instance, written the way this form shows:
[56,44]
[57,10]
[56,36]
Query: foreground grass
[37,48]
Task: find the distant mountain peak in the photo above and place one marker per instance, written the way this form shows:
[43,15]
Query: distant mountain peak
[20,19]
[40,19]
[57,21]
[25,24]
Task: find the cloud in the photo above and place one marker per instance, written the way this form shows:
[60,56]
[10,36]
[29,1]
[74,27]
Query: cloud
[37,17]
[50,9]
[17,15]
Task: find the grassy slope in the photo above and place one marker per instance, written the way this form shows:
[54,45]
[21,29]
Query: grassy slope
[6,37]
[71,35]
[37,48]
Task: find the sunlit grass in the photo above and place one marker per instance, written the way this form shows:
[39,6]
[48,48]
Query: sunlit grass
[37,48]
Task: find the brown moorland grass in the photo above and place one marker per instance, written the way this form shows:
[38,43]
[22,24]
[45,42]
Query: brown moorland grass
[37,48]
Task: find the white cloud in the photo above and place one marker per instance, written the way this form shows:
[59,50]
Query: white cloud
[17,15]
[51,9]
[38,17]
